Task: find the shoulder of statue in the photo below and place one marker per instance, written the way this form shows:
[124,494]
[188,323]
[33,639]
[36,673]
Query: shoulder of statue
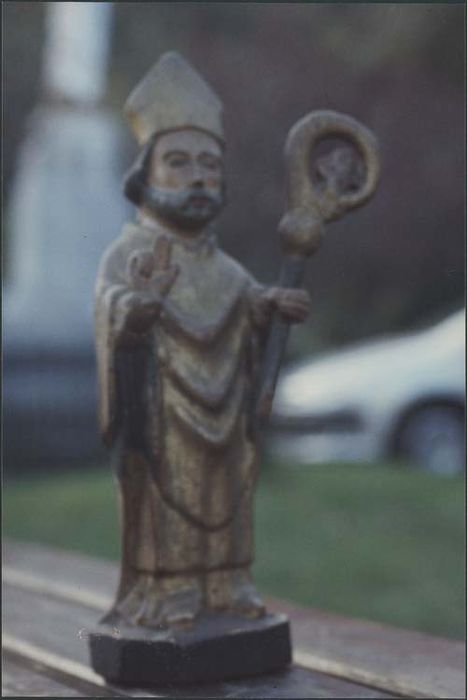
[113,260]
[231,263]
[132,236]
[236,268]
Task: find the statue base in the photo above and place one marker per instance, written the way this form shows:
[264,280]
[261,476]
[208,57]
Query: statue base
[218,647]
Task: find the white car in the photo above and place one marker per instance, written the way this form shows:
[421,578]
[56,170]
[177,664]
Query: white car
[397,397]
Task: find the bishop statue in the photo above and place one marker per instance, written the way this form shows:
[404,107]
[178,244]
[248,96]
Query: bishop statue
[189,347]
[180,327]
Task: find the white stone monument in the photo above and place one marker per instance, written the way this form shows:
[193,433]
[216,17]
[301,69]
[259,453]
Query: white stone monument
[65,207]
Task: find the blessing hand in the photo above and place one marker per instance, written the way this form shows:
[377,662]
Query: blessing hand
[151,271]
[151,277]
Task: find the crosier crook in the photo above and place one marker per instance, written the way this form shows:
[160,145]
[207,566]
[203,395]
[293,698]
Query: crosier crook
[302,226]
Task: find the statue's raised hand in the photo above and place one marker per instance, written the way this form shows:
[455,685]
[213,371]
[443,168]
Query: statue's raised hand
[150,275]
[151,270]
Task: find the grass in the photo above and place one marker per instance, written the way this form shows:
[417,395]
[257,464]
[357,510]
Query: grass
[368,541]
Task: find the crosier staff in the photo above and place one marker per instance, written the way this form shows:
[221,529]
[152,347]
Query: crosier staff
[309,208]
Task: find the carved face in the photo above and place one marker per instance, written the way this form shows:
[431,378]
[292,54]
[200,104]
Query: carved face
[185,178]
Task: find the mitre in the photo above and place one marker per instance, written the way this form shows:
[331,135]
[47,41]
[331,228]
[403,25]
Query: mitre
[172,95]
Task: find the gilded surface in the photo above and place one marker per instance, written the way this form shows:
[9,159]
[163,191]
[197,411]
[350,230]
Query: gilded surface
[318,191]
[186,497]
[180,335]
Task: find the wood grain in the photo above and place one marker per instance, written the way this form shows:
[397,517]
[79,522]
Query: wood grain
[403,662]
[56,640]
[46,623]
[21,679]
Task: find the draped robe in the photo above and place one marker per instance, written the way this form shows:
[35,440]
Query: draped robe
[175,406]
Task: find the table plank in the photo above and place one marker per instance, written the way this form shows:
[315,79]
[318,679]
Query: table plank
[404,662]
[57,630]
[65,670]
[21,679]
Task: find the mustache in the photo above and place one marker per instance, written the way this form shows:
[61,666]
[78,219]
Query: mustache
[191,208]
[182,199]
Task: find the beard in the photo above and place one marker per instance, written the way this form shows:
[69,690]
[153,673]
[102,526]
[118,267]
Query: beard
[189,209]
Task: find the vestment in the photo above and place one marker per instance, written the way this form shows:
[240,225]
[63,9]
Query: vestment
[175,405]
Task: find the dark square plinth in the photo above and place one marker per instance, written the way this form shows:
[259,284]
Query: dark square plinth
[218,647]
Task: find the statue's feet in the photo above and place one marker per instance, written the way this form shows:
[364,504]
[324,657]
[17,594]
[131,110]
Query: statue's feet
[244,597]
[141,601]
[159,602]
[181,605]
[233,591]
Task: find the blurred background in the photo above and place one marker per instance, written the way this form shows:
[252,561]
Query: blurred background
[373,537]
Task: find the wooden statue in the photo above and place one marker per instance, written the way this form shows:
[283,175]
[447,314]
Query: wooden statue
[181,330]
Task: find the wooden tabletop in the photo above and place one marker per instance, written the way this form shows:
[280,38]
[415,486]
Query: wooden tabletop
[52,598]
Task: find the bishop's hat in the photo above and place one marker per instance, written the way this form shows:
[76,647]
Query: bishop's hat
[172,95]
